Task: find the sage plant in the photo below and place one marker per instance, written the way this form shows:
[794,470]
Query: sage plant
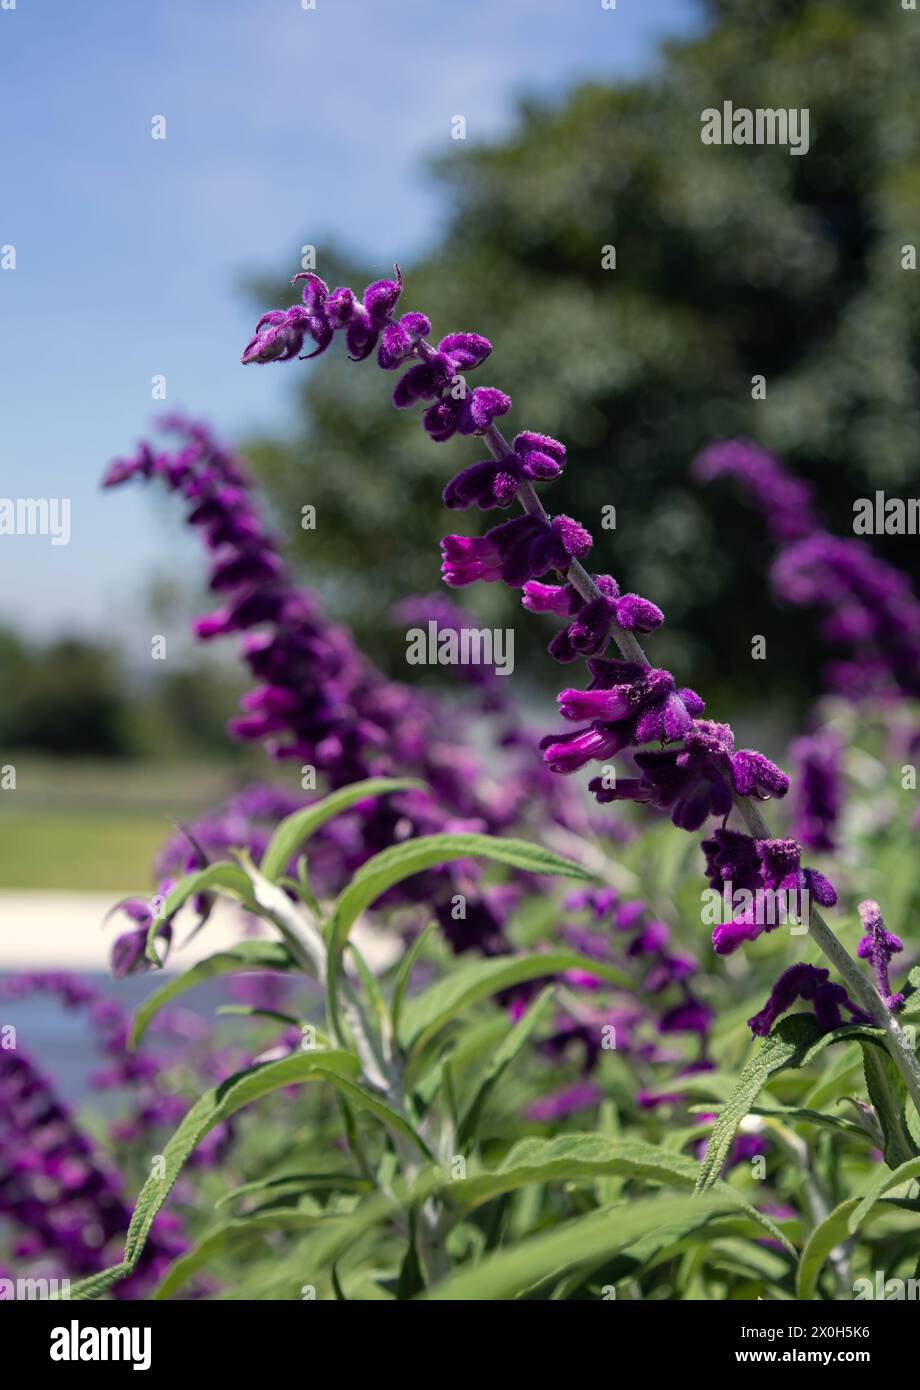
[698,773]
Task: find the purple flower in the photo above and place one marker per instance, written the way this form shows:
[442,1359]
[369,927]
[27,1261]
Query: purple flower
[878,946]
[818,792]
[872,609]
[698,780]
[629,704]
[589,631]
[581,1096]
[785,500]
[514,551]
[811,983]
[765,883]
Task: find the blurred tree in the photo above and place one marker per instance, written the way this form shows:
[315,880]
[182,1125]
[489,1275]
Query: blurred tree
[731,261]
[72,698]
[64,699]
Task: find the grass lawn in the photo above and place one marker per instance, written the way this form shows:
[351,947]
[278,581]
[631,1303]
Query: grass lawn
[94,852]
[96,826]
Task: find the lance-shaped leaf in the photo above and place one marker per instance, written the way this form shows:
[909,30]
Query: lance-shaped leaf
[296,829]
[401,861]
[887,1093]
[229,1238]
[885,1182]
[794,1042]
[502,1058]
[574,1157]
[428,1012]
[247,955]
[602,1234]
[227,877]
[340,1069]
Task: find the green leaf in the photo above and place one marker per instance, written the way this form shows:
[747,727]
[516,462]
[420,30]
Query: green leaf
[792,1114]
[831,1232]
[404,973]
[601,1234]
[411,1278]
[338,1068]
[289,1184]
[517,1039]
[330,1242]
[794,1042]
[371,989]
[428,1012]
[295,829]
[231,1236]
[229,877]
[247,955]
[884,1183]
[584,1157]
[844,1221]
[570,1157]
[887,1093]
[412,857]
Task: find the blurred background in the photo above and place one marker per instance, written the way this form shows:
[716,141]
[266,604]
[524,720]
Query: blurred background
[141,264]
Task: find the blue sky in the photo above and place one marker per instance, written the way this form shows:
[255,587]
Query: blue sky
[282,125]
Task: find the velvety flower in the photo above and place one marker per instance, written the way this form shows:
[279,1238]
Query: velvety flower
[878,946]
[698,780]
[398,341]
[766,884]
[514,551]
[643,695]
[472,412]
[590,630]
[813,984]
[539,457]
[485,485]
[817,804]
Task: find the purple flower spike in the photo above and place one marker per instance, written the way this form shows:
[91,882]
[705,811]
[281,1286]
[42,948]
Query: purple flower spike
[811,983]
[878,946]
[818,801]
